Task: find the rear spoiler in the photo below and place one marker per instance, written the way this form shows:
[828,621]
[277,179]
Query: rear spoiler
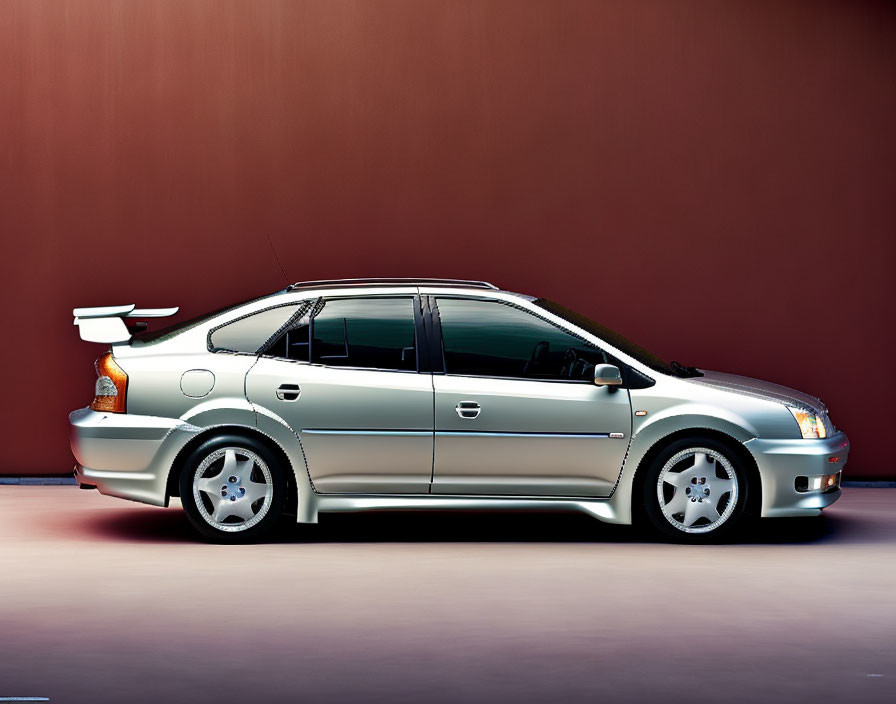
[106,324]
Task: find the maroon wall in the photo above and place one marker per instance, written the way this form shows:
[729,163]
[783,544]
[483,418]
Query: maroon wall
[715,180]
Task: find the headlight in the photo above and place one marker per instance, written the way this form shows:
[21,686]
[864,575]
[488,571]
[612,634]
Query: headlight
[811,424]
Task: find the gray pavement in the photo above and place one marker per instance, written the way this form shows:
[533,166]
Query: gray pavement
[107,601]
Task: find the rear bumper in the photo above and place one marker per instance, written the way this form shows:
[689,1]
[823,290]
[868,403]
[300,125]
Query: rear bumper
[126,455]
[780,462]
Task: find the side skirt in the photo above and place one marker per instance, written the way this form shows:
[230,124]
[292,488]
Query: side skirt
[602,509]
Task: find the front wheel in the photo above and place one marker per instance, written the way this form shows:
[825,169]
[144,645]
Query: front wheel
[695,490]
[232,489]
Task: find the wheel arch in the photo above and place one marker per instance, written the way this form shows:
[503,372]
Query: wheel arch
[747,461]
[173,484]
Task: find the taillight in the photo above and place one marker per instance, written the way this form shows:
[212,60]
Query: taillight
[111,386]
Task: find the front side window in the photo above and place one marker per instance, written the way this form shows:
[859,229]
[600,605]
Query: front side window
[489,338]
[372,333]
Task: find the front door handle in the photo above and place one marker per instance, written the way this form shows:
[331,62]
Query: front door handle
[468,409]
[288,392]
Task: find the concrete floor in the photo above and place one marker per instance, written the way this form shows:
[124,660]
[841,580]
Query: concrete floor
[106,601]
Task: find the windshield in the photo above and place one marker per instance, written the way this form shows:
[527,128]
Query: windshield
[618,341]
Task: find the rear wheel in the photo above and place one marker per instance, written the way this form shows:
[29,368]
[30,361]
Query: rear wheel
[695,490]
[232,489]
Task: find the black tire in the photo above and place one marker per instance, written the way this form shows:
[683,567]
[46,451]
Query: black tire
[260,514]
[696,478]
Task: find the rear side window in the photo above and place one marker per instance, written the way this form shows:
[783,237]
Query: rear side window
[371,333]
[250,333]
[488,338]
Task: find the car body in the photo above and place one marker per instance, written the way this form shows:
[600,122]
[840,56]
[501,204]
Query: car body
[394,394]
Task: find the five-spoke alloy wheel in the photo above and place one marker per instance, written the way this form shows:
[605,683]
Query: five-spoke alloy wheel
[695,490]
[232,489]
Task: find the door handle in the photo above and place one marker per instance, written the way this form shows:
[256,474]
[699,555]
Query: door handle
[468,409]
[288,392]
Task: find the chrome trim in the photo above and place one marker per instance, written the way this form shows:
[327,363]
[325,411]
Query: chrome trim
[586,382]
[501,434]
[468,410]
[393,433]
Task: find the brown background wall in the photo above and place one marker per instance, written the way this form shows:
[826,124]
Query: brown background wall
[716,180]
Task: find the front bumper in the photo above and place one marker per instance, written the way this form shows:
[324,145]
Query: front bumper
[780,462]
[127,455]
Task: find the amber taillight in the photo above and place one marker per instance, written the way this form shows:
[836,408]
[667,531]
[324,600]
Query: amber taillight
[111,386]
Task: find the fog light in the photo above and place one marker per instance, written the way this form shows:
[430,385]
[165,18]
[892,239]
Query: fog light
[819,482]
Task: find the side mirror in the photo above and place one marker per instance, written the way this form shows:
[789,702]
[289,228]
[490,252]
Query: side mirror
[607,375]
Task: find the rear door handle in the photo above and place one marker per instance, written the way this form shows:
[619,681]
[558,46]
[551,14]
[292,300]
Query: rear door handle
[288,392]
[468,409]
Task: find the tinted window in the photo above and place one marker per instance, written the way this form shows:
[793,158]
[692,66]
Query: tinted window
[250,333]
[374,333]
[294,341]
[365,332]
[612,338]
[487,338]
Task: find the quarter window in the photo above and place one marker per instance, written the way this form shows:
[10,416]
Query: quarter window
[489,338]
[249,333]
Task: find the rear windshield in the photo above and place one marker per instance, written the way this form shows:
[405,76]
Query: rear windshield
[610,336]
[148,337]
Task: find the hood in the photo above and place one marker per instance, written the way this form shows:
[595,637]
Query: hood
[759,389]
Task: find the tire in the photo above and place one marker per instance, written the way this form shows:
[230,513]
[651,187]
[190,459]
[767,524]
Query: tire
[695,490]
[233,489]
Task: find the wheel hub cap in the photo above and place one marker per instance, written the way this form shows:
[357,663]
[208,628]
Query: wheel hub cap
[232,489]
[697,490]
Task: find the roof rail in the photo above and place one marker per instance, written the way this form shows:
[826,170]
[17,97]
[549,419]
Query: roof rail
[326,283]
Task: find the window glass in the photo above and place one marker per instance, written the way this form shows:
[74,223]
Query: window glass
[294,343]
[488,338]
[250,333]
[376,333]
[614,338]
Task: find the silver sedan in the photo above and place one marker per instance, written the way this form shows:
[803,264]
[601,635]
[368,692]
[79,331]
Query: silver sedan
[398,394]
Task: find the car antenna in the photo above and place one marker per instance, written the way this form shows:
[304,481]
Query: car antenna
[277,259]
